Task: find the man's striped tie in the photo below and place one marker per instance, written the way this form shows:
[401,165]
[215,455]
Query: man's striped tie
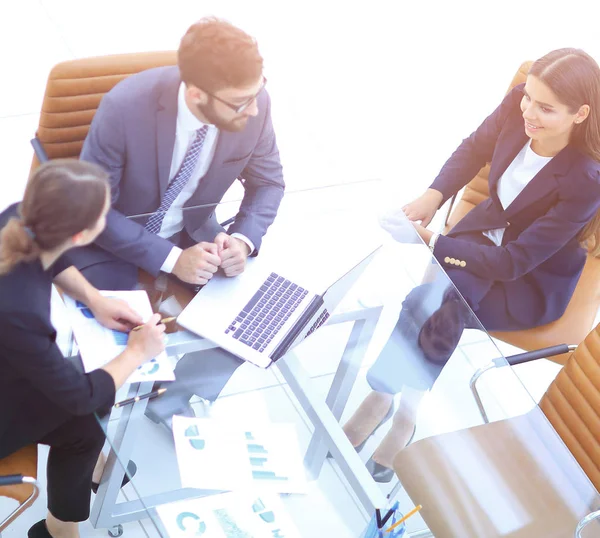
[179,181]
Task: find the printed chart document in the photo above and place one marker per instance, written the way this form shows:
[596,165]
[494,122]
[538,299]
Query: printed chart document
[213,454]
[228,515]
[99,345]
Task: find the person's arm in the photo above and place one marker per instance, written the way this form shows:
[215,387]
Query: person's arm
[142,346]
[546,236]
[105,145]
[476,150]
[263,185]
[36,357]
[110,312]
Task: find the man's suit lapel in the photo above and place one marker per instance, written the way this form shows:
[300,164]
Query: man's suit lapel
[212,187]
[166,124]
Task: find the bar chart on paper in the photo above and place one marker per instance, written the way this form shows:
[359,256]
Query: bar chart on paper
[221,455]
[275,458]
[261,462]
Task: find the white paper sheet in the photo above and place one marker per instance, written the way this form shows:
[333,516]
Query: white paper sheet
[213,454]
[99,345]
[228,515]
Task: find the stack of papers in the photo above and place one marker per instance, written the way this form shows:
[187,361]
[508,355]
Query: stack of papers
[99,345]
[215,455]
[229,515]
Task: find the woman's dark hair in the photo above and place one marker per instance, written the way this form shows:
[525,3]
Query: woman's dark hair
[63,197]
[214,54]
[574,77]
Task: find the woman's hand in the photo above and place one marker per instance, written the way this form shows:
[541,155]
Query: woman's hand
[149,341]
[423,232]
[424,207]
[114,313]
[142,345]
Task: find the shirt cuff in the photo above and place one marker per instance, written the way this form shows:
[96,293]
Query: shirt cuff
[245,240]
[169,264]
[433,241]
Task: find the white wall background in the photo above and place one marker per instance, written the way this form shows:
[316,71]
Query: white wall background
[379,89]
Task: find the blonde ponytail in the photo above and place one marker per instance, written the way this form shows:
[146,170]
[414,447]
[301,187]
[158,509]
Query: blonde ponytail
[17,245]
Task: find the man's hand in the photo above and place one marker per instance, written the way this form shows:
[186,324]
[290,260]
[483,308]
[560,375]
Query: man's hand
[198,264]
[114,313]
[233,253]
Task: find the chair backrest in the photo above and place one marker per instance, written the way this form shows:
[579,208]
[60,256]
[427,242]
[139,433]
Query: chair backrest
[511,478]
[24,462]
[73,93]
[477,190]
[572,405]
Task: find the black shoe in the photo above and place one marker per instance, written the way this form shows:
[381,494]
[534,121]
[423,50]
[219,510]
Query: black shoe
[39,530]
[167,420]
[388,416]
[131,470]
[380,473]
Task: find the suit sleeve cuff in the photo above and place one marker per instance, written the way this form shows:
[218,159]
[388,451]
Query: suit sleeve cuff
[245,240]
[169,263]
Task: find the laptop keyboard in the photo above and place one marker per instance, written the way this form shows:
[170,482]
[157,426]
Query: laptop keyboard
[323,317]
[264,315]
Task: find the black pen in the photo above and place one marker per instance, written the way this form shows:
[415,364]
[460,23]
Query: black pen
[141,397]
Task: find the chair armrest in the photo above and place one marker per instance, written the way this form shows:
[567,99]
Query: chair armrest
[513,360]
[585,522]
[227,222]
[529,356]
[11,480]
[448,212]
[39,150]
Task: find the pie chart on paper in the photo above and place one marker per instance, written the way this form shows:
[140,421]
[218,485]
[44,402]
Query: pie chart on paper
[194,527]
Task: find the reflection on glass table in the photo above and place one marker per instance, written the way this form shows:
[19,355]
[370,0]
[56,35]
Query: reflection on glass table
[390,366]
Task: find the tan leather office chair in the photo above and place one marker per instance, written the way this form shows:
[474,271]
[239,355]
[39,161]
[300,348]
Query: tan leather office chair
[73,93]
[18,473]
[524,461]
[581,312]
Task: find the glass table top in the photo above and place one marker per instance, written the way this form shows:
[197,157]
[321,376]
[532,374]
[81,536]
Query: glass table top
[292,443]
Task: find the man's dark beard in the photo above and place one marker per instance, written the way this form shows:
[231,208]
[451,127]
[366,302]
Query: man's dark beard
[208,111]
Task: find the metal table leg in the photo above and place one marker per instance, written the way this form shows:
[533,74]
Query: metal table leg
[327,426]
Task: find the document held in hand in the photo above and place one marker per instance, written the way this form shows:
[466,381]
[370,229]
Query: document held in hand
[99,345]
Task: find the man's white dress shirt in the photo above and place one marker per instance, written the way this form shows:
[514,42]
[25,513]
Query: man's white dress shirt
[187,125]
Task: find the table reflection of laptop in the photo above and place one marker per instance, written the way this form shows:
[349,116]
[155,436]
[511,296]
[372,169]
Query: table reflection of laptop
[260,315]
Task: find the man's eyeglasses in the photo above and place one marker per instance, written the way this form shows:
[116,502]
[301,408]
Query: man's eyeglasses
[238,109]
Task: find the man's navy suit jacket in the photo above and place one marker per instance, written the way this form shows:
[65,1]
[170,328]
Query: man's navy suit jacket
[539,250]
[132,137]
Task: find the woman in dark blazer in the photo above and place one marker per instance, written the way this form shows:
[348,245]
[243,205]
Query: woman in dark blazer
[516,257]
[44,398]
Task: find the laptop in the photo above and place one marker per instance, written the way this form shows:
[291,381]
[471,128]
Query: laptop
[260,314]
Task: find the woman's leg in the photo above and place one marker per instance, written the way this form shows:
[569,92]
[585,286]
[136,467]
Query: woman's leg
[61,529]
[403,427]
[400,364]
[99,468]
[368,416]
[74,450]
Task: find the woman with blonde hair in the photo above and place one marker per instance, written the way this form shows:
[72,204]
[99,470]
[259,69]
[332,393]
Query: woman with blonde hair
[44,398]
